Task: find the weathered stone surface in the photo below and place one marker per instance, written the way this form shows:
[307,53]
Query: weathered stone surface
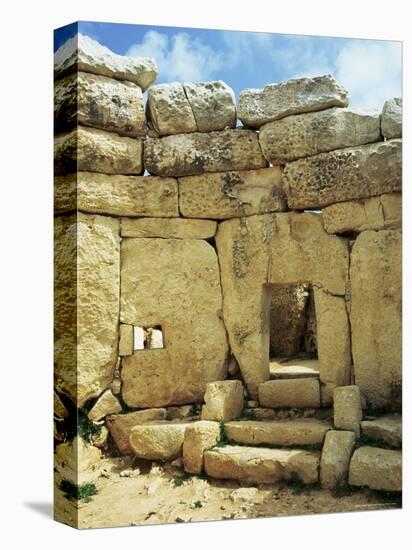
[126,340]
[59,410]
[347,409]
[189,154]
[232,194]
[90,150]
[158,440]
[168,228]
[375,213]
[180,282]
[299,392]
[379,469]
[120,425]
[392,118]
[336,455]
[85,324]
[259,413]
[308,134]
[272,249]
[82,53]
[376,318]
[169,110]
[105,405]
[198,437]
[285,433]
[100,102]
[180,413]
[345,174]
[223,400]
[99,440]
[77,461]
[213,105]
[116,195]
[260,465]
[386,429]
[299,95]
[294,368]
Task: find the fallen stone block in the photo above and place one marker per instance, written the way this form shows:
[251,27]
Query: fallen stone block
[120,425]
[213,105]
[300,392]
[158,440]
[196,153]
[232,194]
[168,228]
[260,465]
[99,102]
[90,150]
[378,469]
[299,95]
[223,400]
[198,437]
[335,458]
[347,409]
[169,110]
[284,433]
[308,134]
[392,118]
[344,174]
[385,429]
[105,405]
[82,53]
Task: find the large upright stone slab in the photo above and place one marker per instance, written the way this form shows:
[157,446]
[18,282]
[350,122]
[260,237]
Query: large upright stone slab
[232,194]
[336,455]
[258,251]
[298,95]
[90,150]
[196,153]
[173,283]
[392,118]
[87,311]
[82,53]
[213,105]
[169,110]
[308,134]
[116,195]
[376,317]
[345,174]
[99,102]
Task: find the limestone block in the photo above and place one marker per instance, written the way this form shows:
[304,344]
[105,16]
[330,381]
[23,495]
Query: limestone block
[99,102]
[168,272]
[116,195]
[223,400]
[158,440]
[379,469]
[299,95]
[345,174]
[88,149]
[105,405]
[256,252]
[375,213]
[126,340]
[82,53]
[180,413]
[376,318]
[120,425]
[189,154]
[308,134]
[285,433]
[260,413]
[392,118]
[169,110]
[59,410]
[336,454]
[260,465]
[232,194]
[77,461]
[100,440]
[347,409]
[86,324]
[299,392]
[168,228]
[386,429]
[294,368]
[198,437]
[213,105]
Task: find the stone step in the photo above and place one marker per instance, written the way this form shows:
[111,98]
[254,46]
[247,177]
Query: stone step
[262,465]
[376,468]
[298,392]
[304,431]
[162,440]
[293,368]
[385,429]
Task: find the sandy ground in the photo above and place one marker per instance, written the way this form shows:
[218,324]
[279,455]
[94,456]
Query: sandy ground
[165,495]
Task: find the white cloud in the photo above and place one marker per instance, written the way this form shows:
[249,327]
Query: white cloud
[179,57]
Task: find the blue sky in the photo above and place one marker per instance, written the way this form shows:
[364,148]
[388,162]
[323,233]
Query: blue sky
[371,70]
